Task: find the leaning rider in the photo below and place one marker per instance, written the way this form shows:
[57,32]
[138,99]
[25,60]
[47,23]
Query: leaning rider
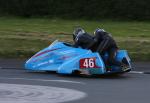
[82,39]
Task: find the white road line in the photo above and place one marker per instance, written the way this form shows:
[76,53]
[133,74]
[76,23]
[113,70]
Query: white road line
[43,80]
[136,72]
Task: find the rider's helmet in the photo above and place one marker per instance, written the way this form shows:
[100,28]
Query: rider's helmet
[78,31]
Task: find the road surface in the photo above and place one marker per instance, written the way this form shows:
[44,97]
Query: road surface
[20,86]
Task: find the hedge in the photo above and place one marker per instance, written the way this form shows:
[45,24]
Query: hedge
[89,9]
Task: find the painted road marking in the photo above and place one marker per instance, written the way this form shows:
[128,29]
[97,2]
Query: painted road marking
[140,72]
[44,80]
[16,93]
[136,72]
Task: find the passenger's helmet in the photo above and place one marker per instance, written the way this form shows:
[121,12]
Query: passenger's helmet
[78,31]
[98,30]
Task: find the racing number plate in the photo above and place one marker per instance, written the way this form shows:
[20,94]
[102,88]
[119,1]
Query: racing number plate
[88,63]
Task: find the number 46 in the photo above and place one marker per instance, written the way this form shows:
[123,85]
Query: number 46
[89,63]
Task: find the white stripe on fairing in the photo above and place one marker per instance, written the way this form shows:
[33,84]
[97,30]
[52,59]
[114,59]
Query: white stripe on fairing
[100,58]
[16,93]
[43,80]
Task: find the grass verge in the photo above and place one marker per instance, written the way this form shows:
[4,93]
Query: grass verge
[20,37]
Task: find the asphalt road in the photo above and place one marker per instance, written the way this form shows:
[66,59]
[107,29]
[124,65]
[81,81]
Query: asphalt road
[20,86]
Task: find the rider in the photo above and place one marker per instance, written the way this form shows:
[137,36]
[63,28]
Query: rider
[82,39]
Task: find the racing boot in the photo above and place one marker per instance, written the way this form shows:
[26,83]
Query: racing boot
[125,67]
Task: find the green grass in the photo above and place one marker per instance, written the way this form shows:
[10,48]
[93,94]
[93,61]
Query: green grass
[20,37]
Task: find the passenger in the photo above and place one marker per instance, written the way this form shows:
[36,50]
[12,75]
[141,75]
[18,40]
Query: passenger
[106,43]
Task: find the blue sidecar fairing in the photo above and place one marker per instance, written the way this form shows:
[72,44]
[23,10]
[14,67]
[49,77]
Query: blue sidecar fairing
[65,59]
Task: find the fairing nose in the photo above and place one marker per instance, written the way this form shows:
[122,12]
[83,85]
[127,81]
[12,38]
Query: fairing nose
[28,64]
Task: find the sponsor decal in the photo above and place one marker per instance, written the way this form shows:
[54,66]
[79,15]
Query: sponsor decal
[67,52]
[65,57]
[45,63]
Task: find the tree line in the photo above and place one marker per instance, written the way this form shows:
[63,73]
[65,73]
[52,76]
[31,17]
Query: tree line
[74,9]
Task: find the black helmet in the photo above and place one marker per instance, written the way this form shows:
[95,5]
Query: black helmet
[78,31]
[98,30]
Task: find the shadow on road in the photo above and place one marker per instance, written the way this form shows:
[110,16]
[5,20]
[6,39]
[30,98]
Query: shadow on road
[110,76]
